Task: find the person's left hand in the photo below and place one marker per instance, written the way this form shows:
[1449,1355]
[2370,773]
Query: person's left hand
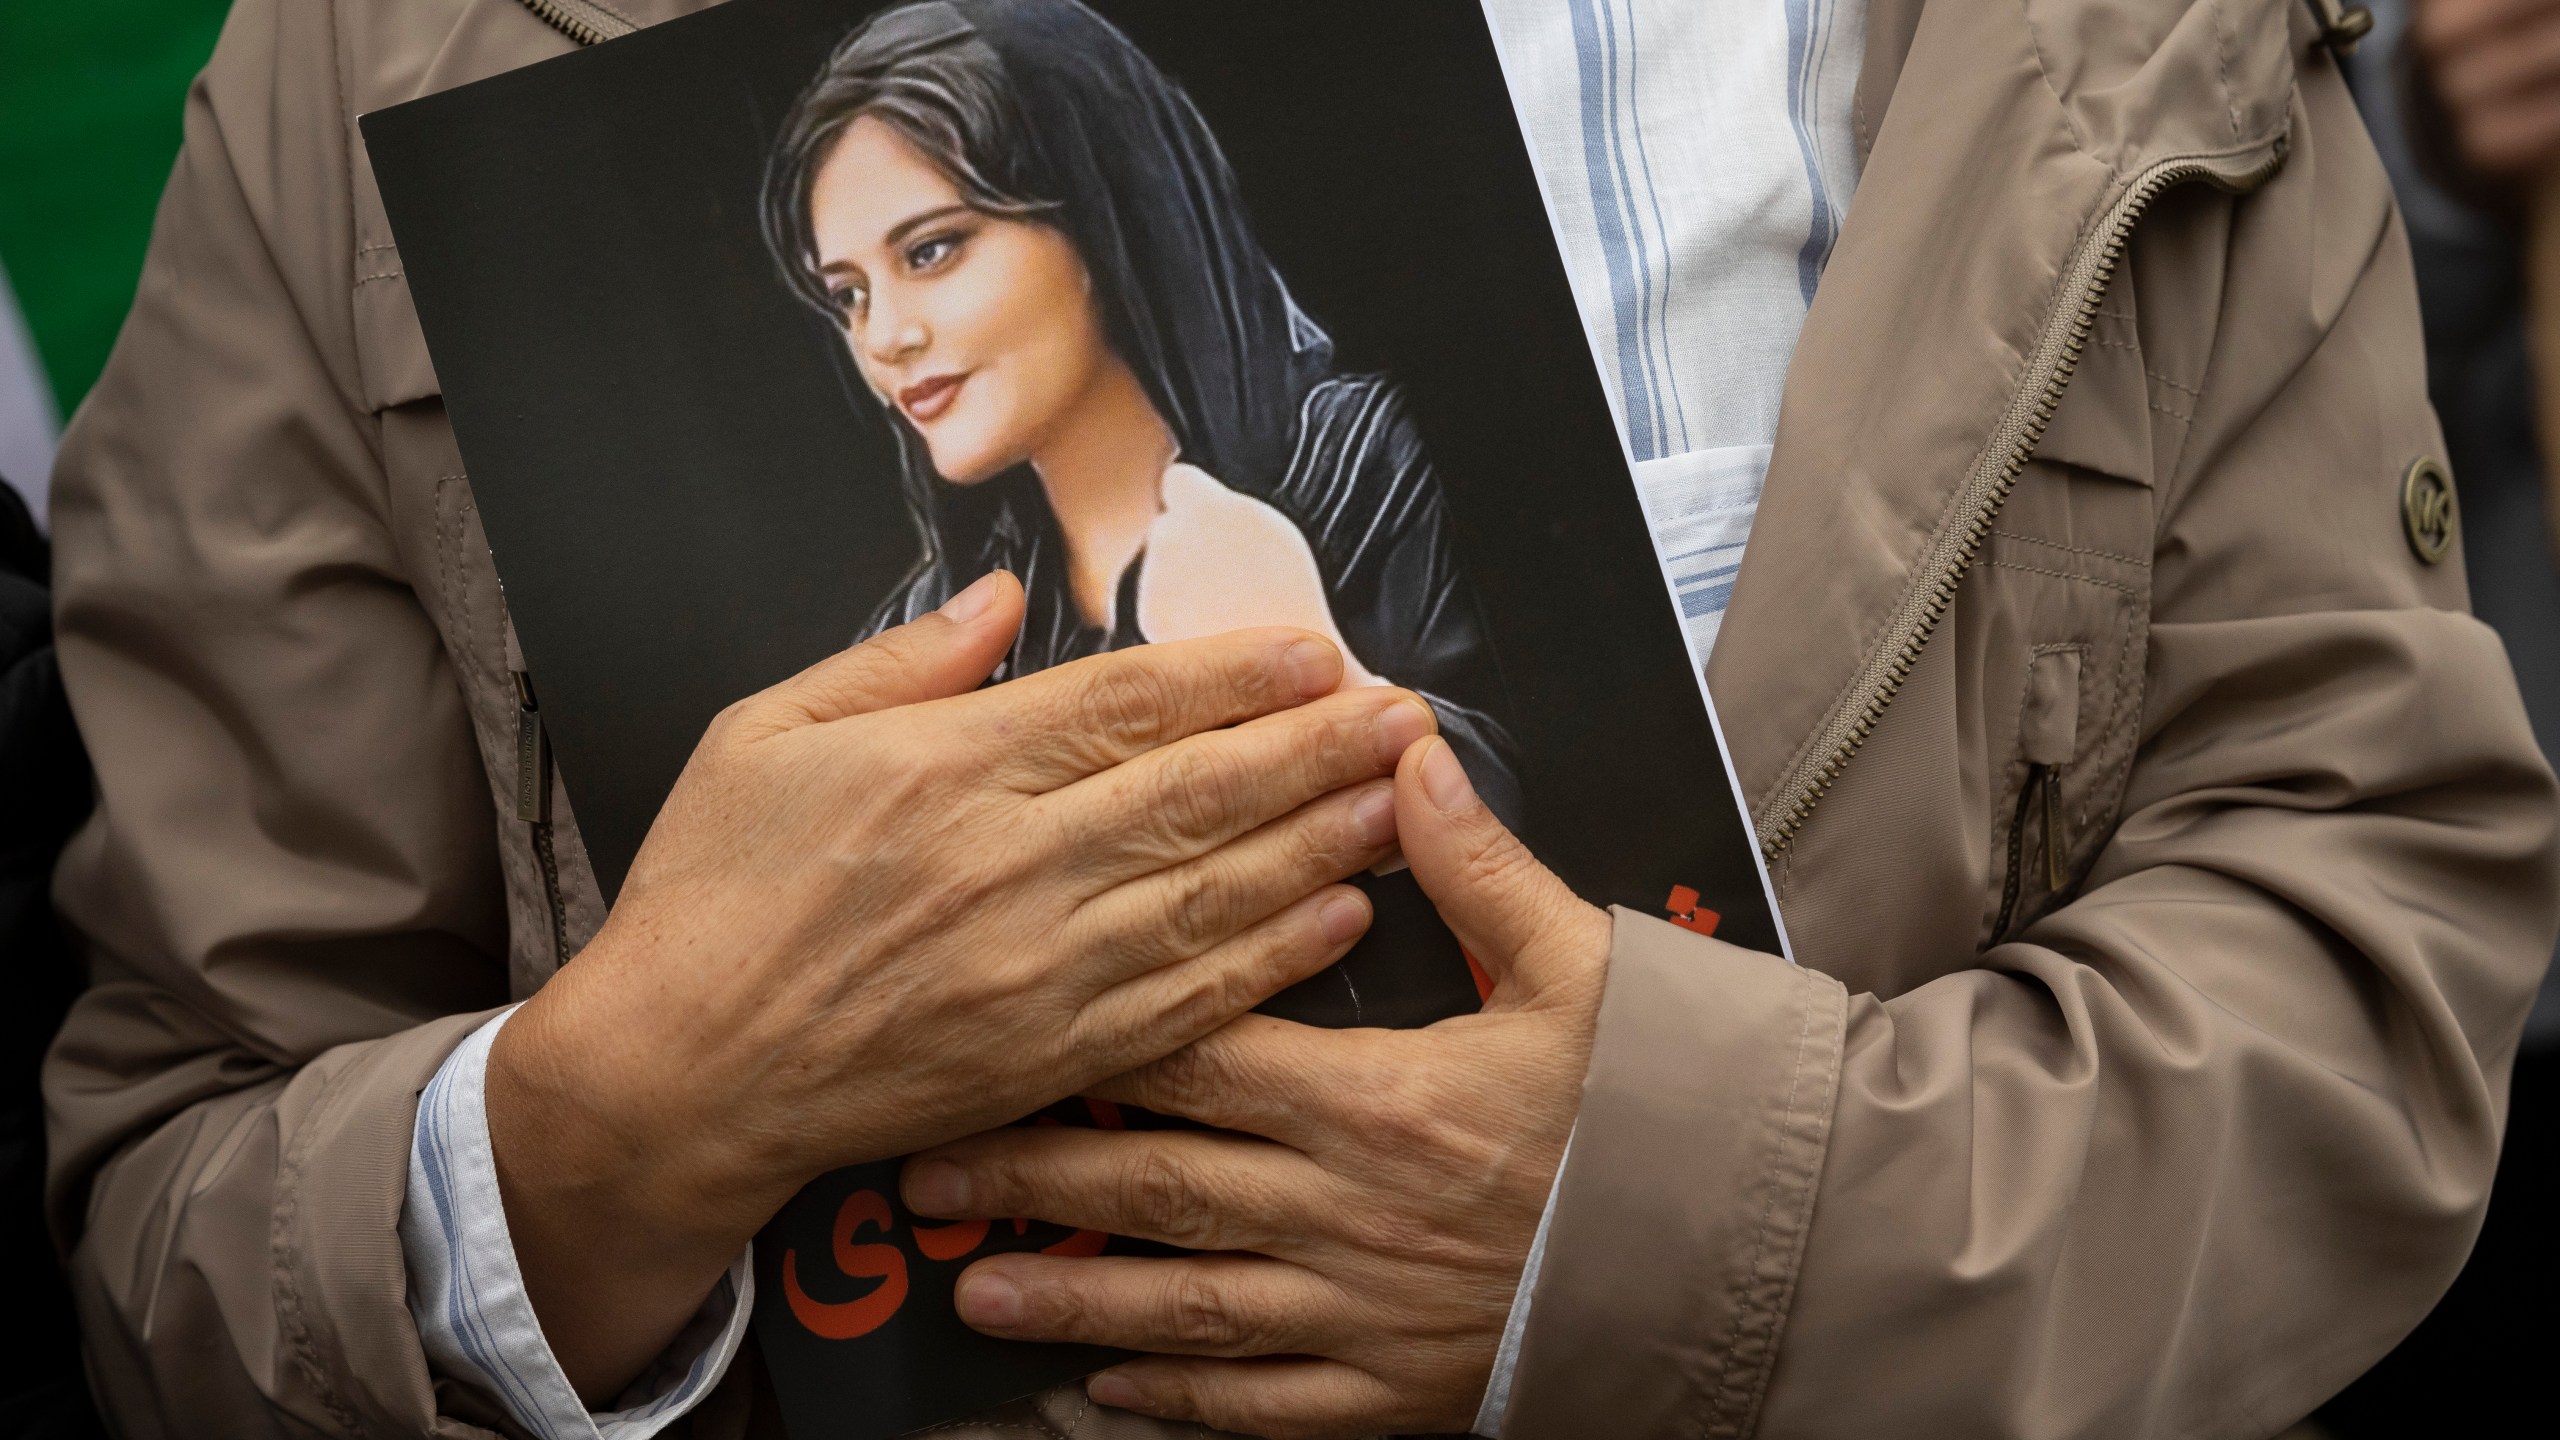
[1367,1201]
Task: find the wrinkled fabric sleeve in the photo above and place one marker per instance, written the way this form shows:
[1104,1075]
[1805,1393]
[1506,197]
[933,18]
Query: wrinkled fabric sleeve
[468,1296]
[289,895]
[2196,1147]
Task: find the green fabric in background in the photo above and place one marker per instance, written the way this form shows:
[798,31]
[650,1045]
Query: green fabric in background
[90,97]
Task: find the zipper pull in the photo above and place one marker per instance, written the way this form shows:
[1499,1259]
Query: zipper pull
[2053,856]
[533,755]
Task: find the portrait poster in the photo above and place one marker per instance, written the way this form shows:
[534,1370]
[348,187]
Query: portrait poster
[757,329]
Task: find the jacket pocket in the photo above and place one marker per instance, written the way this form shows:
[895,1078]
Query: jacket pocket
[2060,622]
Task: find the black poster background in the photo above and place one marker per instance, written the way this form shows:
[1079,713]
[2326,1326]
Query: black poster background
[689,500]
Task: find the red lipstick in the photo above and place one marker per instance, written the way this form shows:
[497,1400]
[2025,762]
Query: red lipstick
[928,398]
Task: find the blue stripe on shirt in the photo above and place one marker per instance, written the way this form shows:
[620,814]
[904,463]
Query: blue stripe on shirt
[1630,287]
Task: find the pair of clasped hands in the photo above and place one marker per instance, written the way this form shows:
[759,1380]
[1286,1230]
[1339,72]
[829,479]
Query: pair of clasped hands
[885,911]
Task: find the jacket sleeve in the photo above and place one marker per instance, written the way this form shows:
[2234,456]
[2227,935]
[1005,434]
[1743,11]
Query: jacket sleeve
[2198,1146]
[289,894]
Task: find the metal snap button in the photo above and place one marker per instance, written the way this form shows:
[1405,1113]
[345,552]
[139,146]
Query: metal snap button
[2426,508]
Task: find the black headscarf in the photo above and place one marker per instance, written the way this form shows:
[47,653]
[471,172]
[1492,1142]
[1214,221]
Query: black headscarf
[1090,137]
[1104,147]
[1116,158]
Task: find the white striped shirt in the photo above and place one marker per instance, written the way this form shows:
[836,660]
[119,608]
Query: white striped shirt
[1697,158]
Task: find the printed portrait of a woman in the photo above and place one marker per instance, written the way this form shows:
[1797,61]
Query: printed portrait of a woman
[1042,268]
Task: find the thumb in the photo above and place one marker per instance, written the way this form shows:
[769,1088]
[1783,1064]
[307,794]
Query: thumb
[1527,928]
[949,652]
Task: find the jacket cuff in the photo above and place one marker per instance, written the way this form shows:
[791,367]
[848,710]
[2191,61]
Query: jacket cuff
[341,1279]
[468,1296]
[1682,1209]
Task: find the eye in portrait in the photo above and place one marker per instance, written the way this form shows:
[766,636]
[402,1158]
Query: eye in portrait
[1041,267]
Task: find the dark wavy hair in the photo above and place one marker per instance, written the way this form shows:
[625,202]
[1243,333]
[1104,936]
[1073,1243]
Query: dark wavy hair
[1041,110]
[940,87]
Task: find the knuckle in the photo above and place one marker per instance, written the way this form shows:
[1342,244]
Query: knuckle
[1197,904]
[1185,1074]
[1165,1197]
[1234,989]
[1211,999]
[1253,676]
[1179,1396]
[993,1188]
[1001,1185]
[1497,861]
[1058,1310]
[1190,1012]
[733,717]
[1204,1316]
[1127,704]
[1351,737]
[1199,788]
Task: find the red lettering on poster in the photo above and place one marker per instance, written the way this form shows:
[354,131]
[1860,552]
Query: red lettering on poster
[887,1263]
[852,1319]
[950,1242]
[1688,914]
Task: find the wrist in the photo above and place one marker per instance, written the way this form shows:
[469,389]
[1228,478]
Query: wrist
[621,1217]
[589,1117]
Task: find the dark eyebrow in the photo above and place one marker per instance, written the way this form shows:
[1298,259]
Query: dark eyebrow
[899,232]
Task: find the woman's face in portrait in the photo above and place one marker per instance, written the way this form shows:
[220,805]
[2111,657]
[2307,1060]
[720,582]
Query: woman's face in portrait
[979,329]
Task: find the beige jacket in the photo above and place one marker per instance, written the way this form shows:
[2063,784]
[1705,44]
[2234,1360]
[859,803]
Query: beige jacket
[2082,558]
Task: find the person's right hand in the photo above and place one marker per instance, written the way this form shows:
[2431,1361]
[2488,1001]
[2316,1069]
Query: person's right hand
[2495,65]
[883,909]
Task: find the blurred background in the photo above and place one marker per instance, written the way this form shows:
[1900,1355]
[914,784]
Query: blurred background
[2463,99]
[89,99]
[90,92]
[2462,96]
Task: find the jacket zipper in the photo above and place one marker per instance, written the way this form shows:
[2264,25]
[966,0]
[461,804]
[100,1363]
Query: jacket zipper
[2044,784]
[533,806]
[588,25]
[2010,886]
[2051,789]
[579,20]
[2021,427]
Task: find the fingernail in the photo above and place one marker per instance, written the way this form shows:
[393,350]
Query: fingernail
[1373,814]
[1445,780]
[1394,864]
[1314,667]
[990,1302]
[1399,725]
[971,603]
[1342,920]
[1112,1388]
[937,1187]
